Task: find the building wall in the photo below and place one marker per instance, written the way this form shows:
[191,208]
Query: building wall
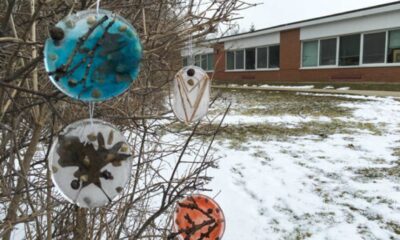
[290,57]
[366,23]
[257,41]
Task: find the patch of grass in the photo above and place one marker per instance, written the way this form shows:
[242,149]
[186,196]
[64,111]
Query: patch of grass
[352,85]
[380,172]
[284,103]
[239,134]
[395,227]
[396,152]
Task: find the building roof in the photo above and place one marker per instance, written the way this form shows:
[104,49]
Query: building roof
[382,8]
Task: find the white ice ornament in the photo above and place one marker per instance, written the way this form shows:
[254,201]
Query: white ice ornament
[191,94]
[90,163]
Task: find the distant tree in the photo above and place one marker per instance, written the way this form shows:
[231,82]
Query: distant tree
[252,28]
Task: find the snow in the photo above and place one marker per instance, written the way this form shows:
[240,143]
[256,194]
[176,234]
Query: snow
[289,87]
[308,187]
[289,120]
[343,88]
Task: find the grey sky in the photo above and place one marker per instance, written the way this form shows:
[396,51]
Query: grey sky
[276,12]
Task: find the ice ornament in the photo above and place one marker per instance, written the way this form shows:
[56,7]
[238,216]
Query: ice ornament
[93,57]
[191,94]
[198,217]
[90,162]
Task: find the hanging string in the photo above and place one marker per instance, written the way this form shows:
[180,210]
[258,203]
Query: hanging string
[91,112]
[98,7]
[191,50]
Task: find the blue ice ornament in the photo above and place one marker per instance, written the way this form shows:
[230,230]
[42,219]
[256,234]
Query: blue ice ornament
[93,56]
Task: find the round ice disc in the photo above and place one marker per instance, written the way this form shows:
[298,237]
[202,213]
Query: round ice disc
[191,90]
[196,216]
[90,163]
[93,57]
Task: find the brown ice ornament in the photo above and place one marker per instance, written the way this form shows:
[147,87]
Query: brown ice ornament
[90,162]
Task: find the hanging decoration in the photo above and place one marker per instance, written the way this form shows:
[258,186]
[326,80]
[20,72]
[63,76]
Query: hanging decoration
[191,94]
[93,55]
[90,163]
[198,217]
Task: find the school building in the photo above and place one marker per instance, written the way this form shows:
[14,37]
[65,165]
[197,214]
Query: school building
[356,46]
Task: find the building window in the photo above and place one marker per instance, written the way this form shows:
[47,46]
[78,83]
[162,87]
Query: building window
[374,48]
[239,59]
[230,60]
[394,47]
[349,50]
[197,60]
[251,58]
[185,61]
[273,61]
[262,57]
[210,62]
[204,62]
[327,55]
[310,54]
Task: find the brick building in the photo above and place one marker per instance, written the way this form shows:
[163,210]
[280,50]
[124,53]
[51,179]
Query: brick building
[355,46]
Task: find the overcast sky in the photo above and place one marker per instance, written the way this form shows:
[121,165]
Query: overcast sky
[276,12]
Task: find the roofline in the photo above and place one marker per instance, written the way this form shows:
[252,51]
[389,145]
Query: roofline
[309,22]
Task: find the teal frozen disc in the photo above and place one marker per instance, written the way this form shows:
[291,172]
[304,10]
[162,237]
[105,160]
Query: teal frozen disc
[93,57]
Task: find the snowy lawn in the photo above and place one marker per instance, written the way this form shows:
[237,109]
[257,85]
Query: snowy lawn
[308,166]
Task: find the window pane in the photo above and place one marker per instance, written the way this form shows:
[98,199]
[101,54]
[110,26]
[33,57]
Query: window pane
[374,48]
[204,62]
[262,56]
[394,47]
[251,58]
[327,52]
[274,57]
[185,61]
[230,60]
[310,54]
[349,50]
[239,59]
[210,61]
[197,60]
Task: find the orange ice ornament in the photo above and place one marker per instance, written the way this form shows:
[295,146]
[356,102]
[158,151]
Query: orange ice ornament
[198,217]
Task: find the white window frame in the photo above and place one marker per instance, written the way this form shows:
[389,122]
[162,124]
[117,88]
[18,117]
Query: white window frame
[301,55]
[244,60]
[226,61]
[277,68]
[213,64]
[255,58]
[261,68]
[360,64]
[205,55]
[387,46]
[337,52]
[362,48]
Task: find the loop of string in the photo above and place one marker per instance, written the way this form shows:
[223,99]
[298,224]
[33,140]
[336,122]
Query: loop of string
[191,50]
[91,112]
[98,7]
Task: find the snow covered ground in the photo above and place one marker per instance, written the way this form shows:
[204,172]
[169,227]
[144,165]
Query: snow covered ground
[297,166]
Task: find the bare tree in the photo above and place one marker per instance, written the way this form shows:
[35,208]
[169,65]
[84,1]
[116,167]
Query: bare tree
[170,159]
